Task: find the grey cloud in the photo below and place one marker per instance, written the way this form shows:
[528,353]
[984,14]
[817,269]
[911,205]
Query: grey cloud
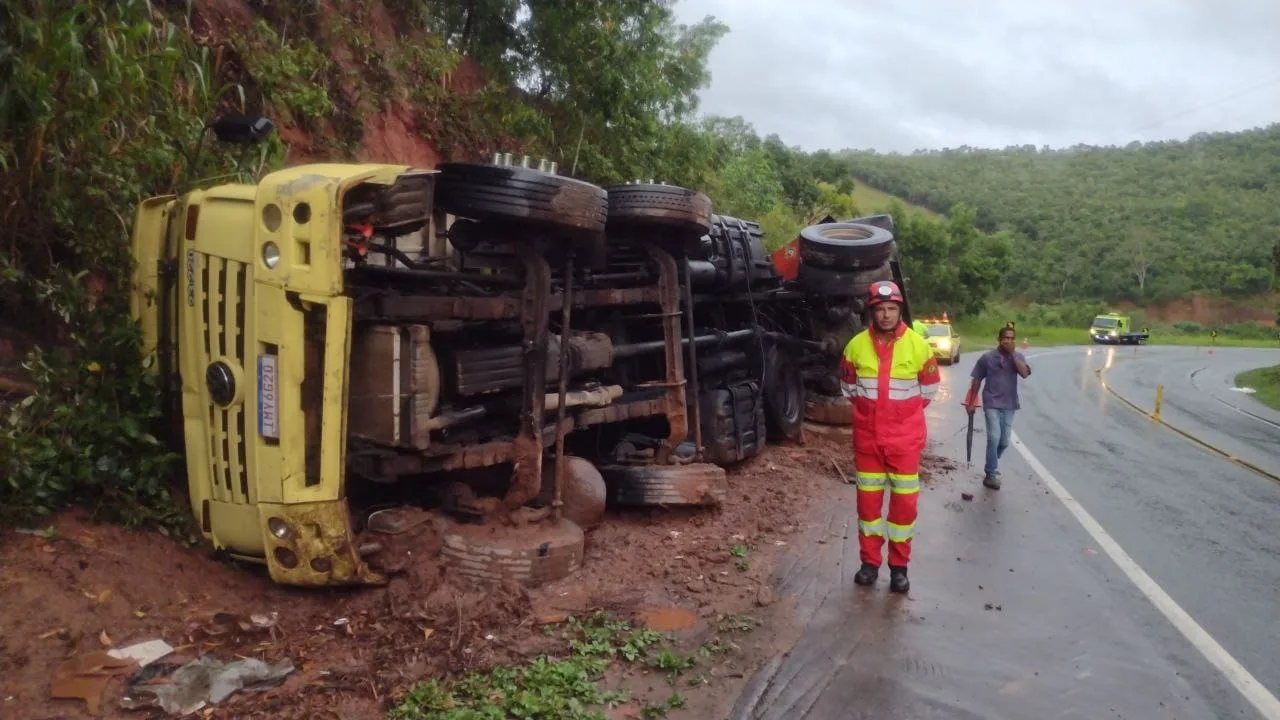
[904,74]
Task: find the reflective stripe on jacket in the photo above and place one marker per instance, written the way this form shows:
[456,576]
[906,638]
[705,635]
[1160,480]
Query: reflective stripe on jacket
[889,384]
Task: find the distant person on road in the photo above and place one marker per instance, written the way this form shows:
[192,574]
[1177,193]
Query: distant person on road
[1000,368]
[889,374]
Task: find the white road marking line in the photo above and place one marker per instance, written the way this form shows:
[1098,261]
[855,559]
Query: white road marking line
[1236,674]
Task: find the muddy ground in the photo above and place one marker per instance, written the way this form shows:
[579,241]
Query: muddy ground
[88,587]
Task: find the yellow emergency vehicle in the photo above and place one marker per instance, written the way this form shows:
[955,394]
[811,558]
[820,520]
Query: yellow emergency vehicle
[942,338]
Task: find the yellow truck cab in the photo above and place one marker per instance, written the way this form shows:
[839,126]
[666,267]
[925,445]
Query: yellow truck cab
[239,291]
[942,339]
[1116,329]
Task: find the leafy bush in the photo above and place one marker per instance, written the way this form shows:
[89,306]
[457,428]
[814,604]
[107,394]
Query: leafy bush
[83,437]
[99,102]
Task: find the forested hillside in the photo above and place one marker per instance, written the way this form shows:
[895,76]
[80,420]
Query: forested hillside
[1146,222]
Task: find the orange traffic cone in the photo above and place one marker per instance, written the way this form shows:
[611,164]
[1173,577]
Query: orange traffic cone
[1024,344]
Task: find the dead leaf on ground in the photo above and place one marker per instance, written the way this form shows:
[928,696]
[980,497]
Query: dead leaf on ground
[105,639]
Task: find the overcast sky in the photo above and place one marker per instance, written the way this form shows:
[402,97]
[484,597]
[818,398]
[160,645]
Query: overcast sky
[896,75]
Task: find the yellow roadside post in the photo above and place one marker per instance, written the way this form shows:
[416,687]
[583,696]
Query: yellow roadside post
[1159,398]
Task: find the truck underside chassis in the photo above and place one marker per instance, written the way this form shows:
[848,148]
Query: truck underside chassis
[573,347]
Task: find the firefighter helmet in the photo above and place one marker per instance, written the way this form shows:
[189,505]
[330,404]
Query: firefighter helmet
[883,291]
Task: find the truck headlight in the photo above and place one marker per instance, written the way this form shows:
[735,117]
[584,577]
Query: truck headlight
[270,255]
[944,344]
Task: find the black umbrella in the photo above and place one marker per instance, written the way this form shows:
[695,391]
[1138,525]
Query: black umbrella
[968,440]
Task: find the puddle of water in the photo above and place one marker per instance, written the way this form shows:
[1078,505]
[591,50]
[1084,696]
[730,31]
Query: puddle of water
[667,619]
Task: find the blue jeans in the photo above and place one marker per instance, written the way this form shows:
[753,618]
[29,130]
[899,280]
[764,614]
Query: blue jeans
[999,431]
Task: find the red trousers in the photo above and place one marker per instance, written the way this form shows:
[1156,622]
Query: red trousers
[875,469]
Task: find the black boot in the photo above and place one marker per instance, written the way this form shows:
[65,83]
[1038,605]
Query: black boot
[898,580]
[866,575]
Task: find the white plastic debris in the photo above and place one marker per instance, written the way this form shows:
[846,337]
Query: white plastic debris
[143,653]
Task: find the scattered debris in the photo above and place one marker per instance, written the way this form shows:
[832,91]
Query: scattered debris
[86,676]
[840,471]
[143,653]
[967,497]
[203,681]
[997,608]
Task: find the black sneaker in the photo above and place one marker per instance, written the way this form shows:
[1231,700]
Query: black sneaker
[992,481]
[898,580]
[866,574]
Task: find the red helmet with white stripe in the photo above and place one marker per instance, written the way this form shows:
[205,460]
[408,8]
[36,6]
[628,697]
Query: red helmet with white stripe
[883,291]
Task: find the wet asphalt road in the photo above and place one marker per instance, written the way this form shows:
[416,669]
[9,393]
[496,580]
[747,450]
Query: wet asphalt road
[1014,611]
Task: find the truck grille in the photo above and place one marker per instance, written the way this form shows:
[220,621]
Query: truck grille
[223,286]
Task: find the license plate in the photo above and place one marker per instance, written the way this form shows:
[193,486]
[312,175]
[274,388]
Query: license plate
[268,398]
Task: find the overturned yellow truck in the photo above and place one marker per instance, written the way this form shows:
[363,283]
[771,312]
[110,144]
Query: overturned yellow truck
[498,344]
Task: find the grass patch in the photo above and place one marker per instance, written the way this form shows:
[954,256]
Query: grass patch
[563,687]
[870,200]
[1266,384]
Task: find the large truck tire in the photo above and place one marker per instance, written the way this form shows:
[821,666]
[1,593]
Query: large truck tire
[512,194]
[692,485]
[533,555]
[659,206]
[783,395]
[841,283]
[845,246]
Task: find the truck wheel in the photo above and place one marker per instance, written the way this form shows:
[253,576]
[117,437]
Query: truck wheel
[692,485]
[532,555]
[841,283]
[828,410]
[512,194]
[783,395]
[659,206]
[845,246]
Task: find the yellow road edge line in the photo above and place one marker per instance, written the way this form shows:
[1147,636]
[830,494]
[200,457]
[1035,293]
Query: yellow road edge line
[1242,463]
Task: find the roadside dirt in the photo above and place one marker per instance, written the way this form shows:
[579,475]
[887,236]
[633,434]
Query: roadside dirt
[87,587]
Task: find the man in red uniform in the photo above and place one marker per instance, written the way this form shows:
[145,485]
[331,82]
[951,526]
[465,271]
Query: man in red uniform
[890,375]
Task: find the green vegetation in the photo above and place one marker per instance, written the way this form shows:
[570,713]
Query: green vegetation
[1147,222]
[1265,383]
[1043,325]
[568,687]
[98,103]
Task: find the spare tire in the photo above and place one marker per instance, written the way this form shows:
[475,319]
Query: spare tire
[660,206]
[841,283]
[692,485]
[845,246]
[523,195]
